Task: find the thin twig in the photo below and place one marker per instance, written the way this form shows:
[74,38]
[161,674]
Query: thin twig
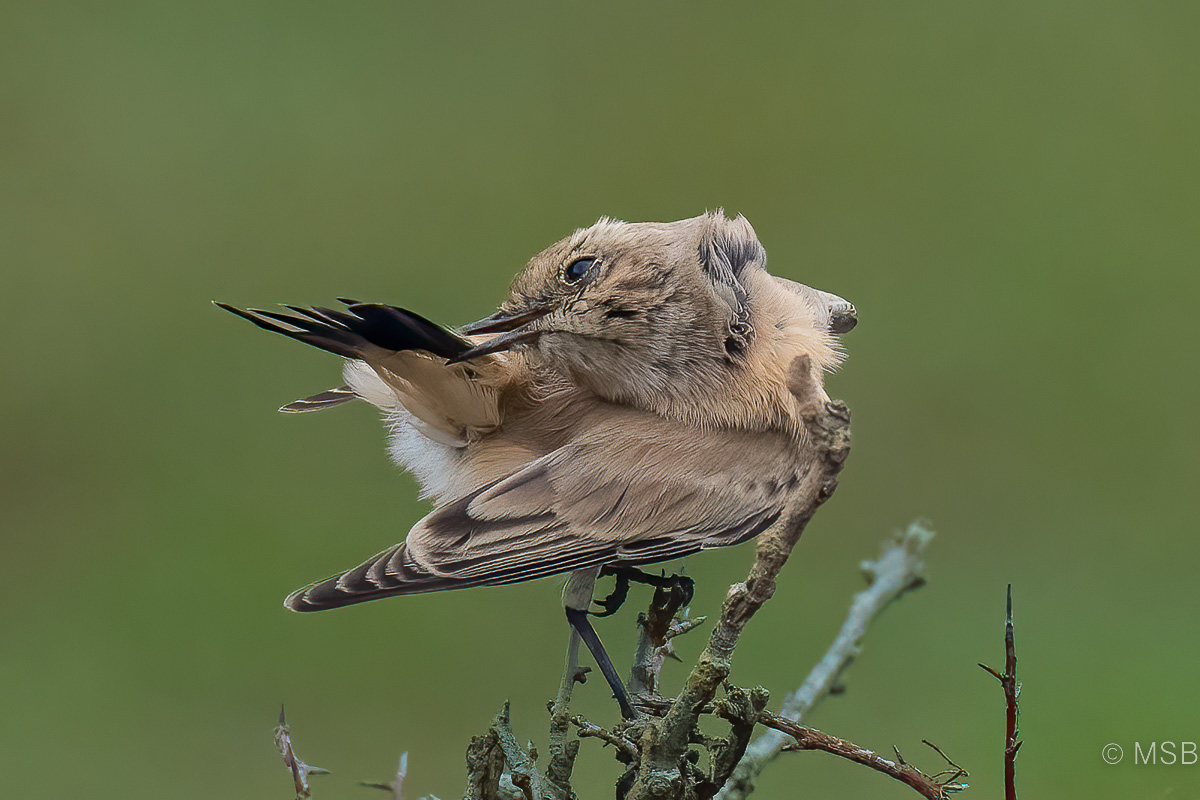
[1012,690]
[396,784]
[563,750]
[656,628]
[948,776]
[524,772]
[898,569]
[805,738]
[300,771]
[594,731]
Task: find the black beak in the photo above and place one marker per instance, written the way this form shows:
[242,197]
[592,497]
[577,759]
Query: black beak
[506,342]
[501,322]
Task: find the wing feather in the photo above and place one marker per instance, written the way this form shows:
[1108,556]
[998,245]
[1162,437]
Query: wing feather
[623,500]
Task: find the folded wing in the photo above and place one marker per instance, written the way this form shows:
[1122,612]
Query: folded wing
[638,498]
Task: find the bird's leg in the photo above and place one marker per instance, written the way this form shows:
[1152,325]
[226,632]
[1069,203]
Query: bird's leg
[579,621]
[577,596]
[675,583]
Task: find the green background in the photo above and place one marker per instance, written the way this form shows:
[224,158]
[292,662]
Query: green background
[1007,191]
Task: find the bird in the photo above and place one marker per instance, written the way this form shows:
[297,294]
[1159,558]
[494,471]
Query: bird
[630,402]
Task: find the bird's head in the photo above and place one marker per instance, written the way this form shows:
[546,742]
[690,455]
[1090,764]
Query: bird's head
[641,313]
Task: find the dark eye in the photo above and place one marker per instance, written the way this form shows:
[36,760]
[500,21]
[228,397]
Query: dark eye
[577,269]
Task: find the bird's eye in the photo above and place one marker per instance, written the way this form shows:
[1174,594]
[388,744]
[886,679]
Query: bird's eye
[578,269]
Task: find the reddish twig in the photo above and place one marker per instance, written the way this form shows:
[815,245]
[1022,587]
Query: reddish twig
[1012,690]
[933,787]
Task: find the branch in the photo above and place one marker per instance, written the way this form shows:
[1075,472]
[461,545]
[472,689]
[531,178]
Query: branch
[590,729]
[522,770]
[485,768]
[741,708]
[396,784]
[656,629]
[1012,690]
[663,769]
[899,569]
[735,709]
[563,750]
[300,771]
[812,739]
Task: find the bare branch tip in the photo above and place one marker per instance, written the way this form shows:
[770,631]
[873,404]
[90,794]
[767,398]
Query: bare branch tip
[991,672]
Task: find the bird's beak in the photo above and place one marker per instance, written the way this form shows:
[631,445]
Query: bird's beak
[842,315]
[506,342]
[502,322]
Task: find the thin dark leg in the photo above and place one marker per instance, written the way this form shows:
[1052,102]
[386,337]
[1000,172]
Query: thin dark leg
[579,621]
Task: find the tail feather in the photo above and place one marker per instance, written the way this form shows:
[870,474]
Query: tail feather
[391,572]
[326,399]
[355,334]
[394,572]
[398,329]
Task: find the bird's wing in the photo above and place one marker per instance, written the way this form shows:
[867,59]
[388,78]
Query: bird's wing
[451,402]
[629,495]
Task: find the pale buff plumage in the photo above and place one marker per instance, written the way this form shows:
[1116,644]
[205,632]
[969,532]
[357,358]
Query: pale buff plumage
[637,414]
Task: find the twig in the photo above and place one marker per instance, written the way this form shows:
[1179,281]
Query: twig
[300,771]
[594,731]
[945,777]
[563,750]
[485,768]
[664,771]
[806,738]
[898,569]
[524,772]
[741,708]
[396,784]
[1012,690]
[656,629]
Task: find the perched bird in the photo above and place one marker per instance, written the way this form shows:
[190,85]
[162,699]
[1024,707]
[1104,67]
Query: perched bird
[629,403]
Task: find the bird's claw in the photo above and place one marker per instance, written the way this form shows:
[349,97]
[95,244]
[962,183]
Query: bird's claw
[614,600]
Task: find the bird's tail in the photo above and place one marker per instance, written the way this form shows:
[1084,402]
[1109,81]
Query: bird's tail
[364,331]
[392,572]
[398,361]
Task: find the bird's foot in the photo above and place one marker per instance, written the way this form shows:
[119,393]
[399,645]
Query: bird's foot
[680,587]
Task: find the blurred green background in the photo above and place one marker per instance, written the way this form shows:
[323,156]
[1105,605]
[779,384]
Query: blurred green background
[1007,191]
